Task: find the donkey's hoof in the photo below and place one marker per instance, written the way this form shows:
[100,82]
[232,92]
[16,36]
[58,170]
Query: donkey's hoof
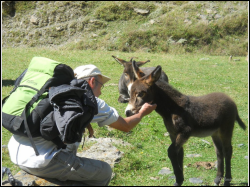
[227,181]
[217,181]
[177,184]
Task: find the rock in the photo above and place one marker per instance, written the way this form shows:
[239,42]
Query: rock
[103,150]
[152,21]
[165,171]
[217,16]
[154,178]
[193,155]
[34,20]
[166,134]
[141,11]
[59,28]
[172,177]
[181,41]
[171,41]
[94,35]
[215,164]
[209,11]
[195,180]
[24,179]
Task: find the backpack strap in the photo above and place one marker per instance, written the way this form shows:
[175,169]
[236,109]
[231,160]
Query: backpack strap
[59,143]
[28,105]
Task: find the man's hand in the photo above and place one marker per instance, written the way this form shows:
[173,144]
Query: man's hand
[91,131]
[147,109]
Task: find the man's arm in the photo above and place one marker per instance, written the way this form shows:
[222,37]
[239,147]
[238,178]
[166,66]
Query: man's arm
[128,123]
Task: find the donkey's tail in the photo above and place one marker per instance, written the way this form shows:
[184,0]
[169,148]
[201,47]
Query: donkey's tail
[242,125]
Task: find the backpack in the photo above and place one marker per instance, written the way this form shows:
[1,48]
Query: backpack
[44,94]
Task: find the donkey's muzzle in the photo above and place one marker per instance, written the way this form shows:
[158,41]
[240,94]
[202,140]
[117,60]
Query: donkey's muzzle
[129,113]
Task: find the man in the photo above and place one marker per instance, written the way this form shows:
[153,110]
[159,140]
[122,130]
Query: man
[63,164]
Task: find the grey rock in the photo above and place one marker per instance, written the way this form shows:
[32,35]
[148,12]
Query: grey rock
[193,155]
[172,177]
[102,149]
[24,179]
[166,134]
[195,180]
[240,145]
[165,171]
[141,11]
[34,20]
[217,16]
[181,41]
[154,178]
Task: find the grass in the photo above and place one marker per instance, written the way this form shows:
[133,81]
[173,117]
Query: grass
[192,74]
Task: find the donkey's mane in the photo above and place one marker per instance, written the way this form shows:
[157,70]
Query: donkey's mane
[169,96]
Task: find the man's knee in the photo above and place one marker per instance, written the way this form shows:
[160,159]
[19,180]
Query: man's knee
[107,170]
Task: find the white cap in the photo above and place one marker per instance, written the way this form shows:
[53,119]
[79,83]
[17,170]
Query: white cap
[89,70]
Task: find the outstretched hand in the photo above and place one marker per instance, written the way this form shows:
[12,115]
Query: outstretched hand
[147,108]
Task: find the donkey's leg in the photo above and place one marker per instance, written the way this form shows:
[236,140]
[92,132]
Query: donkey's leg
[227,151]
[175,154]
[220,158]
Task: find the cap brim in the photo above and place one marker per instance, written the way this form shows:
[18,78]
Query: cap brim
[105,79]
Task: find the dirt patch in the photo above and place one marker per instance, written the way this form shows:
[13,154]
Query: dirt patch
[206,165]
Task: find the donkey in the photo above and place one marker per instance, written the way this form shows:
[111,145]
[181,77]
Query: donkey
[127,78]
[213,115]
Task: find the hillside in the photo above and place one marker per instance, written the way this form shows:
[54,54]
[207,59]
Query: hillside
[211,27]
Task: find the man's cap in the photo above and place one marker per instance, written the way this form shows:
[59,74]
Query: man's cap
[89,70]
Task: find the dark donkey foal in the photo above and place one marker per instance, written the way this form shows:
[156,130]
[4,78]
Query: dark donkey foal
[184,116]
[127,78]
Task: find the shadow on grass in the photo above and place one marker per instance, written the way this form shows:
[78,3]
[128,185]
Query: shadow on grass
[8,82]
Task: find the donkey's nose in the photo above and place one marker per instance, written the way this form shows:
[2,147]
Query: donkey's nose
[129,113]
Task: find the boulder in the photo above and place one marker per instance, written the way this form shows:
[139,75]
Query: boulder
[102,149]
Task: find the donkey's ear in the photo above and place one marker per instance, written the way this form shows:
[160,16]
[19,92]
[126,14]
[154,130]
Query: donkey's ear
[154,76]
[120,61]
[140,63]
[138,73]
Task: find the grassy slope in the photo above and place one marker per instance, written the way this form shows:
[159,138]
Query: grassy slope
[212,27]
[191,74]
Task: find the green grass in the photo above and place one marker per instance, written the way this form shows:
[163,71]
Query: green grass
[192,74]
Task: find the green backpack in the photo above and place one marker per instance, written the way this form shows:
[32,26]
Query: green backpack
[28,103]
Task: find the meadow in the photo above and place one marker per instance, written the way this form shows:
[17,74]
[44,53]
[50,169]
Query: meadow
[191,74]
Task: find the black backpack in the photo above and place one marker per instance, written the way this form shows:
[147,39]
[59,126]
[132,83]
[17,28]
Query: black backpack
[44,94]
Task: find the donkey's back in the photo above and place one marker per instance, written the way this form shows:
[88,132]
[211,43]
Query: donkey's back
[212,112]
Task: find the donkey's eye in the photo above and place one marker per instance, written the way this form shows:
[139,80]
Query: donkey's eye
[125,74]
[141,94]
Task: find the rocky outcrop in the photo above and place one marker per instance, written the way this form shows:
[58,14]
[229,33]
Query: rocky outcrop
[101,149]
